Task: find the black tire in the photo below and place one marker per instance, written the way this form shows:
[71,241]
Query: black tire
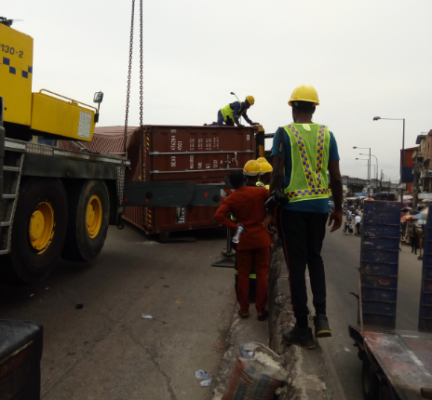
[370,381]
[25,263]
[79,246]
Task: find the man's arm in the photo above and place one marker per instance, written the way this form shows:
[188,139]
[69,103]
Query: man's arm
[247,119]
[336,188]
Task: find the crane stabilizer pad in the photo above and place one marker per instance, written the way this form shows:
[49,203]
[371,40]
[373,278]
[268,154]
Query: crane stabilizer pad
[169,194]
[224,262]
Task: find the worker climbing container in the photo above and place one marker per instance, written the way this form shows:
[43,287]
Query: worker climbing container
[379,259]
[425,314]
[178,154]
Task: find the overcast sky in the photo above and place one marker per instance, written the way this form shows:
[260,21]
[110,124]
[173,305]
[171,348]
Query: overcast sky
[365,58]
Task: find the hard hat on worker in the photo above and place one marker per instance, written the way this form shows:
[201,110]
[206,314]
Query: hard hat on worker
[252,168]
[265,168]
[262,160]
[304,93]
[250,100]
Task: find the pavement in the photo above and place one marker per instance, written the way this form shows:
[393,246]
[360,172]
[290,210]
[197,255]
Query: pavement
[106,350]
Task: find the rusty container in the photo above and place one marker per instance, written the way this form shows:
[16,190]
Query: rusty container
[200,154]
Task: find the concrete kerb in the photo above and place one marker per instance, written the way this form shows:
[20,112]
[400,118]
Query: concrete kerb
[309,374]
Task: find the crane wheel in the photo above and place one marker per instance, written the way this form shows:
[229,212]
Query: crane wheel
[88,220]
[38,231]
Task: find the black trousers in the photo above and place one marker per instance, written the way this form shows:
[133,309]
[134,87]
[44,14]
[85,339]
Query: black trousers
[302,234]
[414,244]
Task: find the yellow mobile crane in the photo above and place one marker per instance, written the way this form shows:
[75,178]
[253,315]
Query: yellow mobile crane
[55,202]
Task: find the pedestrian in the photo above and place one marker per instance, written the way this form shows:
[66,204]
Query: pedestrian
[413,238]
[303,152]
[357,220]
[247,204]
[231,113]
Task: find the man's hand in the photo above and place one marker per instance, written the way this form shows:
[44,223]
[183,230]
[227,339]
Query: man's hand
[270,220]
[336,218]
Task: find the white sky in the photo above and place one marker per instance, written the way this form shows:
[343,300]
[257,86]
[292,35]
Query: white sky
[364,58]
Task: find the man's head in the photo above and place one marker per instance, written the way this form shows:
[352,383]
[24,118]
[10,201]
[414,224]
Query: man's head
[303,101]
[249,101]
[251,171]
[236,178]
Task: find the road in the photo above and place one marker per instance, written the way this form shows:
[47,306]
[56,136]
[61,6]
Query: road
[341,256]
[106,350]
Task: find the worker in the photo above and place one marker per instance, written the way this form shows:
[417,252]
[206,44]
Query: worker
[231,114]
[251,172]
[247,204]
[302,153]
[265,174]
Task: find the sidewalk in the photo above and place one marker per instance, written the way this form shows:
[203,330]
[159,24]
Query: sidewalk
[309,374]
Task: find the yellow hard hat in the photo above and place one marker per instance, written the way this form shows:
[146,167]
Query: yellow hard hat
[250,100]
[266,168]
[262,160]
[304,93]
[252,168]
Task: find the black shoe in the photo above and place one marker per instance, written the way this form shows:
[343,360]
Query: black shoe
[322,327]
[299,336]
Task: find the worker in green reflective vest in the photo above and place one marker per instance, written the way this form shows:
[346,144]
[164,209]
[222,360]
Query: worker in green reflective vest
[304,156]
[231,113]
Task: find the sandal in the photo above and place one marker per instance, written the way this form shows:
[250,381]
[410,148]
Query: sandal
[263,316]
[241,315]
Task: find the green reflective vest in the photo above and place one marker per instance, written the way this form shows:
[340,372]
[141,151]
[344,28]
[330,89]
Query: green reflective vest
[227,111]
[310,157]
[260,184]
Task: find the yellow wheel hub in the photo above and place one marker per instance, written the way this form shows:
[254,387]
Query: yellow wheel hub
[94,216]
[41,227]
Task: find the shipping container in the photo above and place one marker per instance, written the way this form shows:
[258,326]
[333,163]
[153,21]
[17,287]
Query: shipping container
[198,154]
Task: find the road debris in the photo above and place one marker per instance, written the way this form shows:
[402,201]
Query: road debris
[206,382]
[146,316]
[201,374]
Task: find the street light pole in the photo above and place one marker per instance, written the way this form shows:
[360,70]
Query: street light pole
[369,162]
[403,150]
[376,159]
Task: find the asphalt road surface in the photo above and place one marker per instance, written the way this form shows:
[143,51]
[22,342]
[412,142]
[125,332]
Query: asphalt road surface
[106,350]
[341,258]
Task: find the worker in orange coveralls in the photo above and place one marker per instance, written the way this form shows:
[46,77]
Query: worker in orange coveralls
[247,204]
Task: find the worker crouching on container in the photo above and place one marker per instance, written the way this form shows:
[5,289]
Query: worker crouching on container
[247,204]
[230,114]
[302,154]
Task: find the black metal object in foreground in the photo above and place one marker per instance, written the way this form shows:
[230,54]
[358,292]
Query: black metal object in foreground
[20,356]
[397,365]
[425,314]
